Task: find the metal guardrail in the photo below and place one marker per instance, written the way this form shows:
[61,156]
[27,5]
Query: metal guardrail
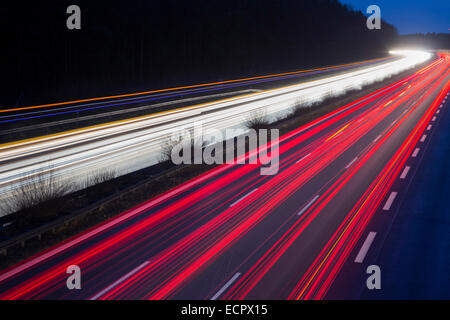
[79,214]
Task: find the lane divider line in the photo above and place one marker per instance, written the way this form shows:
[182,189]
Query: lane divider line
[226,286]
[308,205]
[242,198]
[119,281]
[303,158]
[365,247]
[405,172]
[351,162]
[415,153]
[390,200]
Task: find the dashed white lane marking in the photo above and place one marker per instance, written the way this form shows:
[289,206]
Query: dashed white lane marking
[377,138]
[429,127]
[423,138]
[390,200]
[351,162]
[116,283]
[437,112]
[365,247]
[270,171]
[303,158]
[242,198]
[415,153]
[308,205]
[226,286]
[434,118]
[405,172]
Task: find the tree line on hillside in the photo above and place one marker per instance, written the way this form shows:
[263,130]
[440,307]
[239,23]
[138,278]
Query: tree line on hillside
[128,46]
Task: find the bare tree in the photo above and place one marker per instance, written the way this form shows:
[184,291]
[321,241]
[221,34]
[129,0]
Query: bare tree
[299,107]
[302,107]
[257,120]
[166,149]
[39,197]
[100,176]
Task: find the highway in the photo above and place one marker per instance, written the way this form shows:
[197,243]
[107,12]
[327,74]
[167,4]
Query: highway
[132,144]
[410,237]
[232,233]
[32,120]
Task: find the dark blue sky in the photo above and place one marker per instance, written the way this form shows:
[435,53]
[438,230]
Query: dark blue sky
[411,16]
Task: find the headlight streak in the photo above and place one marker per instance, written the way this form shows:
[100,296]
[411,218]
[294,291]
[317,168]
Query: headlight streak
[155,97]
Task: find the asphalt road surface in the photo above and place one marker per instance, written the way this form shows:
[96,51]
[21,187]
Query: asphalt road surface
[232,233]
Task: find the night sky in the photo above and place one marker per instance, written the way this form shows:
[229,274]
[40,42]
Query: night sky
[411,16]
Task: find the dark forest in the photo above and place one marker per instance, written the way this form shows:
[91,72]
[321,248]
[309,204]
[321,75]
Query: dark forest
[157,44]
